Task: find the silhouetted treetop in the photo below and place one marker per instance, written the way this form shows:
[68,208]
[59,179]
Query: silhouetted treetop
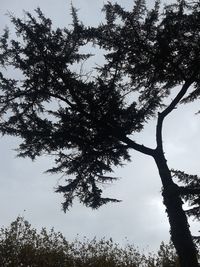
[85,121]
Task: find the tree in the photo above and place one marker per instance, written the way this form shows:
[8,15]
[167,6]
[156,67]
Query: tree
[167,256]
[88,122]
[22,245]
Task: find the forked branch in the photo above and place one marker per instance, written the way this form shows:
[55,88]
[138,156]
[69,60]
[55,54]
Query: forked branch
[170,108]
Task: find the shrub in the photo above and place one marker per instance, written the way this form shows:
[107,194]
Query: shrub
[21,245]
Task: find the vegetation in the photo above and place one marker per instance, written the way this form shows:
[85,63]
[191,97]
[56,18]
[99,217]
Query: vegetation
[88,123]
[21,245]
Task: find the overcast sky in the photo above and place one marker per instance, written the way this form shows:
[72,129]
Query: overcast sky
[140,217]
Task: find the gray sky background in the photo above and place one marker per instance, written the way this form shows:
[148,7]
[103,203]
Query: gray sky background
[141,218]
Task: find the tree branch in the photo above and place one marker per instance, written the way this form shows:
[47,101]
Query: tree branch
[189,191]
[177,99]
[59,97]
[140,148]
[165,112]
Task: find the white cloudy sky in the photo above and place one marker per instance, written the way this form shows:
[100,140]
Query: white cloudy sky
[26,190]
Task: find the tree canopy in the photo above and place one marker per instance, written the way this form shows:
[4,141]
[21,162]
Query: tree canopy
[85,121]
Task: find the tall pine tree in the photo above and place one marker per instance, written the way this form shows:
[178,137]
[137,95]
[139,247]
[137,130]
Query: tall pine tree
[88,123]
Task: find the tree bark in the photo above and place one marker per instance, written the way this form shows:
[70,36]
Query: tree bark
[179,227]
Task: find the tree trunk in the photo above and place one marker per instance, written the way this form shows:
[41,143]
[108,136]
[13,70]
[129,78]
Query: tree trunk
[179,227]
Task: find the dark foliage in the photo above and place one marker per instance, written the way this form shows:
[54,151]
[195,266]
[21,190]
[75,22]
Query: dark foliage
[86,123]
[190,192]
